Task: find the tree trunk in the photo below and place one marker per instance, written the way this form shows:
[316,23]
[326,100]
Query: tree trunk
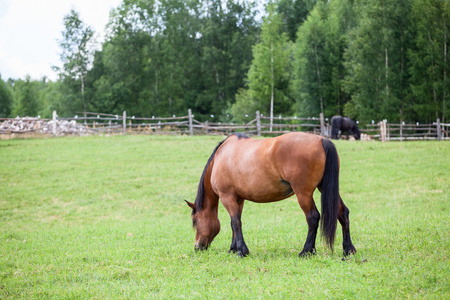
[387,71]
[445,71]
[156,84]
[273,88]
[434,78]
[318,77]
[82,98]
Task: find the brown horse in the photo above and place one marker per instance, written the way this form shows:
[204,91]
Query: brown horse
[267,170]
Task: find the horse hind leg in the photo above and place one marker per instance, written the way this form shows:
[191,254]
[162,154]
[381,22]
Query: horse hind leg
[343,218]
[312,218]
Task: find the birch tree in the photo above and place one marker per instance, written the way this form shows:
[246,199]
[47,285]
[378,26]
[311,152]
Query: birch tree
[77,54]
[269,72]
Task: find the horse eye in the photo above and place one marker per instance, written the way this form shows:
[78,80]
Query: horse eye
[194,223]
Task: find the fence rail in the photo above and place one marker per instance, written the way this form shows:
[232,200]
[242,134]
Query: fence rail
[100,123]
[385,131]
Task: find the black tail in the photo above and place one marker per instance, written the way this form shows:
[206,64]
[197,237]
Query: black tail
[330,193]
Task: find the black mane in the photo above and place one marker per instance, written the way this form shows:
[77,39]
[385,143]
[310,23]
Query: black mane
[201,185]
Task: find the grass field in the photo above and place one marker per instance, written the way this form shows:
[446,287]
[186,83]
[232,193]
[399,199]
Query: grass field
[104,217]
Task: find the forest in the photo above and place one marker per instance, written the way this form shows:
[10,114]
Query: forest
[224,59]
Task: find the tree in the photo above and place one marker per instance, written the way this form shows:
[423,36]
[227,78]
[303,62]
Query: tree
[26,95]
[149,59]
[376,62]
[6,100]
[429,59]
[311,62]
[294,13]
[319,59]
[161,58]
[77,54]
[269,73]
[50,98]
[227,34]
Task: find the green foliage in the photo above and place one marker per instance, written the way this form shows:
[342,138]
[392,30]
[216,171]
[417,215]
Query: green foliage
[376,60]
[228,34]
[312,71]
[6,99]
[77,54]
[269,73]
[429,59]
[367,59]
[177,55]
[245,106]
[104,217]
[26,98]
[50,99]
[294,13]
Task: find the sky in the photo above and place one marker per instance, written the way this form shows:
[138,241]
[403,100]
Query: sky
[30,29]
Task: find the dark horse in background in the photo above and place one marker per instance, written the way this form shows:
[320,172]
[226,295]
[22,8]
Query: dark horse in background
[342,124]
[268,170]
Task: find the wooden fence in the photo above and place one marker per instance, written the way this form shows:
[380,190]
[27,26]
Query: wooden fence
[402,131]
[100,123]
[114,124]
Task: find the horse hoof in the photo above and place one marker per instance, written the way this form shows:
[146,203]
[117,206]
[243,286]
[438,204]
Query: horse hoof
[307,253]
[241,254]
[349,252]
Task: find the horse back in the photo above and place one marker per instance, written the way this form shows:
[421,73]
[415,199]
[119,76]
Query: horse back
[269,169]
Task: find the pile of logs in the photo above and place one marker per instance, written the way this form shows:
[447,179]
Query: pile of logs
[36,125]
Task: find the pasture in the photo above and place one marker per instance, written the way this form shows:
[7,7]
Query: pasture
[104,217]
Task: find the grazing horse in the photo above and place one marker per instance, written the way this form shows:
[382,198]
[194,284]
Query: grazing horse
[268,170]
[342,124]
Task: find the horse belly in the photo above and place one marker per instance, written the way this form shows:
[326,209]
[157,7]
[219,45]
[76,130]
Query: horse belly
[255,180]
[262,188]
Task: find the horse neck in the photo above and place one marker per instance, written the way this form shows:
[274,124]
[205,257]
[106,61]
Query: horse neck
[208,200]
[211,205]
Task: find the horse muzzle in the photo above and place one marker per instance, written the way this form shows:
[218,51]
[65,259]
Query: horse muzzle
[201,247]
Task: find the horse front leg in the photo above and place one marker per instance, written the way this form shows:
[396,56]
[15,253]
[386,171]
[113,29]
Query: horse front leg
[343,218]
[233,247]
[234,207]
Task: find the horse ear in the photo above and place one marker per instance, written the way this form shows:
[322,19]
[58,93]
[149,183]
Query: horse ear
[191,205]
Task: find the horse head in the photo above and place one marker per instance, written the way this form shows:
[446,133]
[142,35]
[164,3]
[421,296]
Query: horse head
[207,226]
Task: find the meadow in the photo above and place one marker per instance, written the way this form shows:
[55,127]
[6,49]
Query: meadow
[104,217]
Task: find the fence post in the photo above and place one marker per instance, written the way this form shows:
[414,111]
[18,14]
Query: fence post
[258,123]
[401,130]
[54,122]
[191,129]
[387,127]
[322,125]
[124,119]
[438,128]
[383,130]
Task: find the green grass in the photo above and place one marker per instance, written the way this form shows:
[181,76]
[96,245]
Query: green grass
[104,217]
